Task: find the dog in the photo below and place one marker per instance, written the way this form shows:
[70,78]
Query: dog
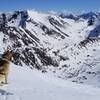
[4,66]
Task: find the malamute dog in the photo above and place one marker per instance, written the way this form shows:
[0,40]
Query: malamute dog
[4,66]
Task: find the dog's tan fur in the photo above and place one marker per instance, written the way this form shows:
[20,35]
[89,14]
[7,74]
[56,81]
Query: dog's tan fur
[4,66]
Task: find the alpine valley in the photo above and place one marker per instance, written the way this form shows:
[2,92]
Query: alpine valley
[66,45]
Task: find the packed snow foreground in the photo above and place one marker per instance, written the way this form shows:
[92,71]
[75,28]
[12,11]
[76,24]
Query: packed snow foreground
[27,84]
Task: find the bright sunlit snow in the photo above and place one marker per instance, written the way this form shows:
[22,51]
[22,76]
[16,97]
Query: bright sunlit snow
[26,84]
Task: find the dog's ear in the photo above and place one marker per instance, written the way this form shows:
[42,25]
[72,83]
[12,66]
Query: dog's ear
[12,55]
[8,54]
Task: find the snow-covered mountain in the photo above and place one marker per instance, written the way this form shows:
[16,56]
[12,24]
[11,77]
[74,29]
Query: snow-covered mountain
[67,45]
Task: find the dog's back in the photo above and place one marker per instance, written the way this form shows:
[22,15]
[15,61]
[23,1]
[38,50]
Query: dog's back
[4,66]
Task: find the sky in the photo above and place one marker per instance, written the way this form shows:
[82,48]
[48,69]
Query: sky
[50,5]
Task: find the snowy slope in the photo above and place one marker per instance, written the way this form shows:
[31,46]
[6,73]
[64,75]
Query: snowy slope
[26,84]
[66,45]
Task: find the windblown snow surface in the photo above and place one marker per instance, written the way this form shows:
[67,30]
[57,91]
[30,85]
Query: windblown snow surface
[26,84]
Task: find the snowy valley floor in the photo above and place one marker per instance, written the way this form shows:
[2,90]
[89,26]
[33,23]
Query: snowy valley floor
[26,84]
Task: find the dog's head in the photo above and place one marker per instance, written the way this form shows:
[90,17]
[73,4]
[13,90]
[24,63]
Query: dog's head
[8,55]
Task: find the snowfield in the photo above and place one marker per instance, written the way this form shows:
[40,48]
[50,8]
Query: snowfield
[26,84]
[65,47]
